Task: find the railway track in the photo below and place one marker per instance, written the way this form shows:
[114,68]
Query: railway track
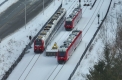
[35,58]
[58,68]
[93,17]
[55,72]
[32,62]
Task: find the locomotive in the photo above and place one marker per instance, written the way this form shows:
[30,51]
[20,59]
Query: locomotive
[69,46]
[73,18]
[49,30]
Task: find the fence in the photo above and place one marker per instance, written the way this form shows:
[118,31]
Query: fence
[89,44]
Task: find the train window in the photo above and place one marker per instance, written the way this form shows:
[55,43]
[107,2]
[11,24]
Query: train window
[38,42]
[61,54]
[68,22]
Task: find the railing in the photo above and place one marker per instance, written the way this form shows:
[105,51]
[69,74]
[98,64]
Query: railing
[89,44]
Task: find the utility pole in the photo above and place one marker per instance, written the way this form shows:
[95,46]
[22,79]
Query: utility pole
[43,7]
[25,14]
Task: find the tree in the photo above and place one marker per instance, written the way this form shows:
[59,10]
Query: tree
[107,69]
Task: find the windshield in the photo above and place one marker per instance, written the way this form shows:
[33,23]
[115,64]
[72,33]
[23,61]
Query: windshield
[61,54]
[38,42]
[68,22]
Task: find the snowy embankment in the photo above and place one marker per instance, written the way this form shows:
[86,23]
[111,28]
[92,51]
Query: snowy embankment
[106,34]
[12,46]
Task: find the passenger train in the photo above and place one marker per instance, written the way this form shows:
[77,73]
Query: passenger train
[73,18]
[69,46]
[49,30]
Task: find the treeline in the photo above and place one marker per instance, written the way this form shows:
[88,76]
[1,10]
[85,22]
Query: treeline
[110,67]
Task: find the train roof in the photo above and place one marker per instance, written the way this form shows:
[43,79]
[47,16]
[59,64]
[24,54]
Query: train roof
[52,22]
[70,39]
[73,14]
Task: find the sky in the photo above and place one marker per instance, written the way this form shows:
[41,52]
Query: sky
[31,64]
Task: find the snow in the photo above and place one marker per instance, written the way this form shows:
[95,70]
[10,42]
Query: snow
[41,66]
[95,51]
[14,44]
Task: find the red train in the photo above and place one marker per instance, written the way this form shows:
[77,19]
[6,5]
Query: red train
[69,46]
[49,30]
[73,18]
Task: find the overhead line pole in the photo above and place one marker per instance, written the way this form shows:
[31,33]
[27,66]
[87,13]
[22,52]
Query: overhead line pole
[43,6]
[25,14]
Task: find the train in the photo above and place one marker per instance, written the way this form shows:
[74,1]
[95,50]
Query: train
[47,33]
[69,46]
[73,19]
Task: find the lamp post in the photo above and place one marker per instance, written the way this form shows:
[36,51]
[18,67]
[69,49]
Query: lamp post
[25,12]
[25,16]
[43,6]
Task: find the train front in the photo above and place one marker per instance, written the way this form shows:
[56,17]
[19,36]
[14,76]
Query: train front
[38,45]
[68,24]
[61,55]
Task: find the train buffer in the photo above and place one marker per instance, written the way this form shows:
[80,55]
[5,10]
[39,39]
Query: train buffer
[53,51]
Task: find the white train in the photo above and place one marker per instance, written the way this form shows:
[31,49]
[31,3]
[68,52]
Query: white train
[49,30]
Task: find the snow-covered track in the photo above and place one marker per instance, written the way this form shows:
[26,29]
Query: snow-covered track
[88,25]
[55,72]
[59,69]
[30,65]
[94,16]
[76,67]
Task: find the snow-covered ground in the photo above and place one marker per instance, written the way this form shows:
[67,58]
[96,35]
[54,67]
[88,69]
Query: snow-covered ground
[12,46]
[45,65]
[106,33]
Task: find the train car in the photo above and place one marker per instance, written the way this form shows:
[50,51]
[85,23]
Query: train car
[69,46]
[49,30]
[73,19]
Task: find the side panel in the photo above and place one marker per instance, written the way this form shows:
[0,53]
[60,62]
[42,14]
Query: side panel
[77,18]
[74,45]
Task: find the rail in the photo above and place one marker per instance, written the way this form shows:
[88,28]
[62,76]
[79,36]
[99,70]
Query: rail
[93,4]
[89,43]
